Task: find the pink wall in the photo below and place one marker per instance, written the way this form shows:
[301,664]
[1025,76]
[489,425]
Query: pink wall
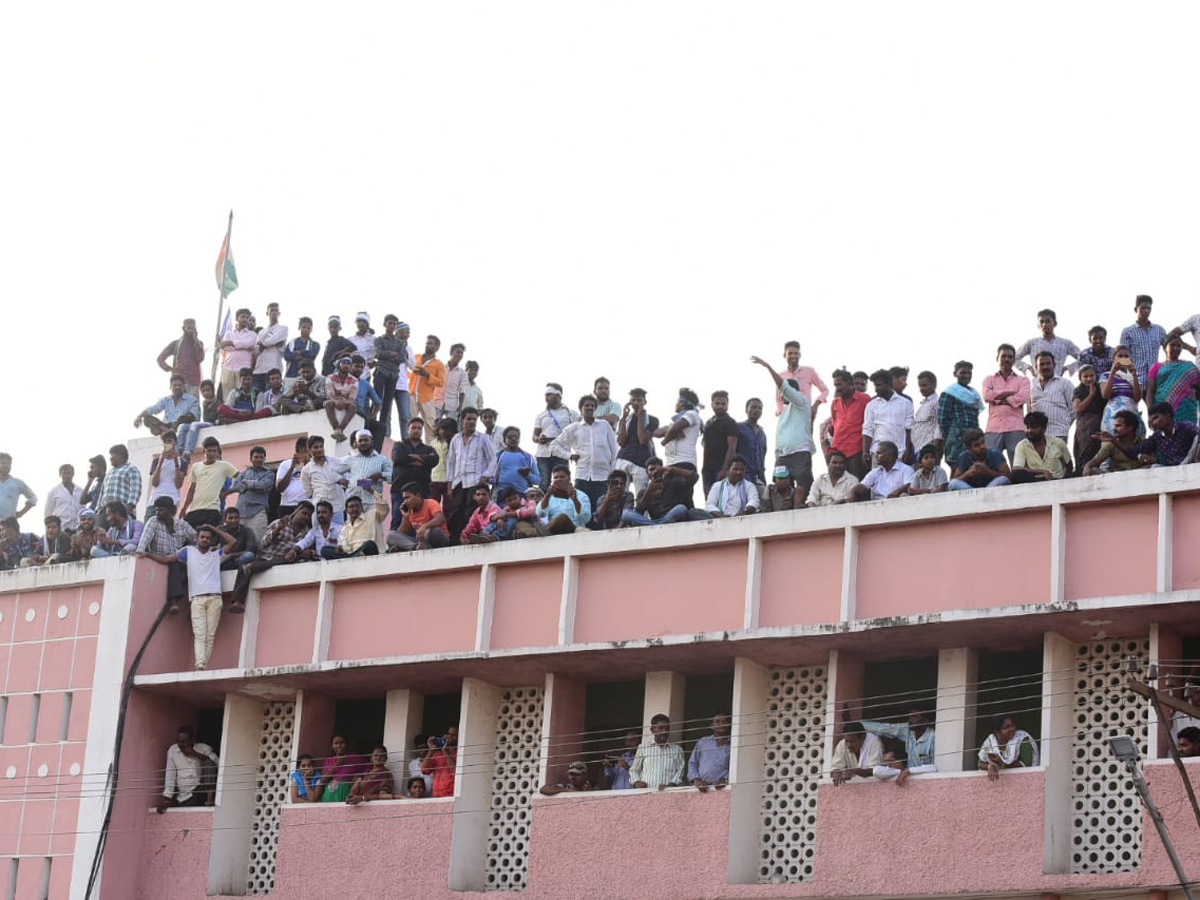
[1093,530]
[1185,561]
[651,594]
[174,854]
[390,849]
[287,620]
[171,648]
[801,581]
[890,584]
[434,613]
[527,601]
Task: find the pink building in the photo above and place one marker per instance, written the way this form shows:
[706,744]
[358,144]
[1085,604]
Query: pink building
[1028,600]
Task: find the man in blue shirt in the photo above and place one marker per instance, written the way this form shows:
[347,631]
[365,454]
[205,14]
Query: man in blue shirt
[709,762]
[564,509]
[12,488]
[1143,338]
[368,402]
[752,444]
[178,410]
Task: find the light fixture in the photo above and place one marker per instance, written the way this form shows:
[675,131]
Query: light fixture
[1124,748]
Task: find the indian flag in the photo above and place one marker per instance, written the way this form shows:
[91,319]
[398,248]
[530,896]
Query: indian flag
[226,272]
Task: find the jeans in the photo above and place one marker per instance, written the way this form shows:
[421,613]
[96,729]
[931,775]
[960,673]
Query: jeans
[595,491]
[957,484]
[403,411]
[546,466]
[230,563]
[385,387]
[676,513]
[435,538]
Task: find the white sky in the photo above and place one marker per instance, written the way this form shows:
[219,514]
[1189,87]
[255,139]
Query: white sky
[652,191]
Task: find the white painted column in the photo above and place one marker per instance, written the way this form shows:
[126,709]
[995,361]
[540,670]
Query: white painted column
[324,626]
[487,605]
[229,857]
[958,674]
[1058,553]
[402,716]
[747,763]
[1164,557]
[473,785]
[754,553]
[664,694]
[249,630]
[849,598]
[570,598]
[1058,706]
[845,688]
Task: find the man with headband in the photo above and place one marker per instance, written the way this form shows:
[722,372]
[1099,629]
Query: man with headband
[549,424]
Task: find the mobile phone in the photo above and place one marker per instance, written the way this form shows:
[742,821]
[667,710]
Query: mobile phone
[439,742]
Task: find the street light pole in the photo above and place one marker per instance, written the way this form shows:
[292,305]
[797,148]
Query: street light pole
[1125,750]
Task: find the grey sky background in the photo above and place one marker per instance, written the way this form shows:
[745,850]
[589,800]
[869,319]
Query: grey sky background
[647,191]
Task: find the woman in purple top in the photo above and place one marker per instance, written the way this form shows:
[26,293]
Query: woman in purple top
[340,771]
[1121,389]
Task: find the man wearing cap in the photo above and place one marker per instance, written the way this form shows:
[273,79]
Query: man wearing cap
[269,350]
[341,399]
[165,535]
[427,376]
[363,338]
[369,469]
[781,493]
[577,780]
[88,536]
[336,347]
[238,346]
[635,437]
[185,353]
[549,424]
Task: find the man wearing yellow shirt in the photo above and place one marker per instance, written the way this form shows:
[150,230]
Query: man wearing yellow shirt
[207,489]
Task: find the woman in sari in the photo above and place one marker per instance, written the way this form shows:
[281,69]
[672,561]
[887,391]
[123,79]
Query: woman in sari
[1120,389]
[1174,381]
[375,784]
[340,771]
[1002,748]
[958,410]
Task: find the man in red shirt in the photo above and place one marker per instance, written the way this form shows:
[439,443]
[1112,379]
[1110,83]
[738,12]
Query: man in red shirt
[441,760]
[847,412]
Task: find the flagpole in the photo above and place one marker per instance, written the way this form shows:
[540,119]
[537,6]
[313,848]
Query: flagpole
[221,304]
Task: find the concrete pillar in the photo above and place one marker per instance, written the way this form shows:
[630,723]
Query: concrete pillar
[401,723]
[845,688]
[1058,706]
[1165,644]
[664,694]
[229,857]
[473,785]
[746,767]
[562,727]
[958,674]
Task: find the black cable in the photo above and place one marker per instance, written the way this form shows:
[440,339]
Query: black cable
[114,769]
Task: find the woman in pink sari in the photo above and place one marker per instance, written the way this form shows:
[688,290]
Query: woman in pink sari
[1174,381]
[340,771]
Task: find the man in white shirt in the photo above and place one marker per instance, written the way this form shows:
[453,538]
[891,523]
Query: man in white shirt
[548,425]
[321,542]
[326,477]
[888,479]
[888,417]
[65,500]
[834,486]
[269,350]
[733,495]
[191,773]
[592,446]
[679,438]
[455,388]
[363,339]
[408,362]
[925,429]
[855,755]
[237,345]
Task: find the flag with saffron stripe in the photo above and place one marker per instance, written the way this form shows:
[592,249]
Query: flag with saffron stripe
[226,272]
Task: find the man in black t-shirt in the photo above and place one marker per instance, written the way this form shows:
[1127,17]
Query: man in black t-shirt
[720,441]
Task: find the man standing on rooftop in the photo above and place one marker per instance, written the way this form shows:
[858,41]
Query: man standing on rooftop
[1143,338]
[185,354]
[12,488]
[1059,348]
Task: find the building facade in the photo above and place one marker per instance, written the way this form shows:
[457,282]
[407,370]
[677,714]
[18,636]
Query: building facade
[1033,600]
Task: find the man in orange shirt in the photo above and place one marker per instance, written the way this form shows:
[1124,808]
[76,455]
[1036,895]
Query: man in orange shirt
[426,377]
[422,524]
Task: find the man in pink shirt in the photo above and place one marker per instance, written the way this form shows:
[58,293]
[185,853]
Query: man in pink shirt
[805,376]
[238,346]
[847,412]
[481,518]
[1005,394]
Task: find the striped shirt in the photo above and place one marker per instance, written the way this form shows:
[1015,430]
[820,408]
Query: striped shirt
[158,540]
[1061,348]
[657,764]
[469,460]
[367,466]
[1055,398]
[1143,344]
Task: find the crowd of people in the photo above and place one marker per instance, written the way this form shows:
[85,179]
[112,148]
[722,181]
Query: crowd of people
[454,477]
[878,750]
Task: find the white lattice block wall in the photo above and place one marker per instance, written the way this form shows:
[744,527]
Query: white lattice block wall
[274,768]
[794,758]
[1106,813]
[518,745]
